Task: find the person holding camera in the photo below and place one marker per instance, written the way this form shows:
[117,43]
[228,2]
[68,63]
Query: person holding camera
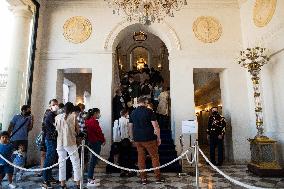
[20,126]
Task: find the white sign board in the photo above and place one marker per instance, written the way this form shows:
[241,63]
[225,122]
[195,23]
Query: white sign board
[189,127]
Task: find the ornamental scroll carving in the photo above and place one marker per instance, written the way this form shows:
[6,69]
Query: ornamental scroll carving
[263,12]
[77,29]
[207,29]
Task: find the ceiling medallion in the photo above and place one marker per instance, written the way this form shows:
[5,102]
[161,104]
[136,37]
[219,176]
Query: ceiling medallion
[139,36]
[146,11]
[77,29]
[207,29]
[263,12]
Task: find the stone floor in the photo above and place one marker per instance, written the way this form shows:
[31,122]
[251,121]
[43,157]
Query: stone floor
[208,179]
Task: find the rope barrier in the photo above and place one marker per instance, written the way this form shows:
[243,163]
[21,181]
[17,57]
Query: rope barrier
[38,170]
[136,170]
[143,170]
[228,177]
[193,159]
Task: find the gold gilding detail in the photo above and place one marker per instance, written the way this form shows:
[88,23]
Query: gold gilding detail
[255,80]
[77,29]
[263,12]
[258,109]
[262,140]
[207,29]
[256,94]
[258,123]
[266,165]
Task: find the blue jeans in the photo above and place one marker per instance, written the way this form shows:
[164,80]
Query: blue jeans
[215,141]
[94,160]
[49,158]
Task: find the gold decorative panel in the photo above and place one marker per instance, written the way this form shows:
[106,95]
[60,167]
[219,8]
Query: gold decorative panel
[207,29]
[263,12]
[77,29]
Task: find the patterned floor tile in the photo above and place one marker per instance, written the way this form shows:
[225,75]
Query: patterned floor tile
[208,179]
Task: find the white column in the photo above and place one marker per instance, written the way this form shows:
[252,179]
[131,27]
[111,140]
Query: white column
[182,96]
[101,90]
[17,69]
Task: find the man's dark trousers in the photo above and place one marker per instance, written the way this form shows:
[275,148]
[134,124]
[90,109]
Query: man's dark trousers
[215,141]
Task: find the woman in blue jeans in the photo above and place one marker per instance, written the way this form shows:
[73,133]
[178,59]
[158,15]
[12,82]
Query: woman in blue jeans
[95,140]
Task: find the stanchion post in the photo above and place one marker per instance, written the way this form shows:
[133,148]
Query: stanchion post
[182,164]
[196,163]
[82,164]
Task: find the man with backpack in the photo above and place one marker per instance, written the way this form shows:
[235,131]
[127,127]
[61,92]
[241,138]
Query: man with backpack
[20,126]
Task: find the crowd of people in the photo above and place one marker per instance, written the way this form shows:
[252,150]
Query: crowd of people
[63,129]
[140,106]
[142,96]
[144,83]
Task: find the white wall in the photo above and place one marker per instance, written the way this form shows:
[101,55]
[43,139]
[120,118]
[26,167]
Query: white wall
[270,36]
[185,53]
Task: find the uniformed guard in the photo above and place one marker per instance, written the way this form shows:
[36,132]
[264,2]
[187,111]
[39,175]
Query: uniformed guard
[215,135]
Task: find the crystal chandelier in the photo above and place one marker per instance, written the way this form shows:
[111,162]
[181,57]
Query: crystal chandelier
[253,59]
[146,11]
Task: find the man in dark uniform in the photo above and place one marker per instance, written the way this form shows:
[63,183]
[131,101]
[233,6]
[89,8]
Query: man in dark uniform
[215,135]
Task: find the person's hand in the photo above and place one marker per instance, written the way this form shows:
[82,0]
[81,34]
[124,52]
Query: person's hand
[220,137]
[159,141]
[208,137]
[104,143]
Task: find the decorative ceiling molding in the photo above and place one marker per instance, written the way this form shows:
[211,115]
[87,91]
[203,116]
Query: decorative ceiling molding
[28,3]
[77,3]
[192,4]
[263,12]
[205,4]
[207,29]
[170,33]
[77,29]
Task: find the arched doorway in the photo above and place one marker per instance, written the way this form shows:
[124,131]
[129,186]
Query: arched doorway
[172,42]
[146,56]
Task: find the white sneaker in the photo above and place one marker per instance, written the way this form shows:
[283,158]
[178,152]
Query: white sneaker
[92,183]
[11,185]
